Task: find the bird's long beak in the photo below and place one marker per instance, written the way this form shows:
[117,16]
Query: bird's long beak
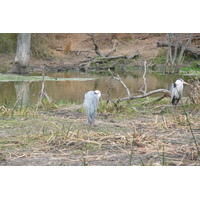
[185,83]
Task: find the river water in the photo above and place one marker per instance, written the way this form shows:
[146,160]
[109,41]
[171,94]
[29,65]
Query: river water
[71,86]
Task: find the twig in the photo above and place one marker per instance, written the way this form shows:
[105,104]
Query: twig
[43,92]
[144,79]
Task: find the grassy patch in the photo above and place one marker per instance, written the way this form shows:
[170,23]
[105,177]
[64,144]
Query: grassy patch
[8,42]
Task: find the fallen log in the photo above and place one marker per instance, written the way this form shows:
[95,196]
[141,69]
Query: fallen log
[189,50]
[167,93]
[87,63]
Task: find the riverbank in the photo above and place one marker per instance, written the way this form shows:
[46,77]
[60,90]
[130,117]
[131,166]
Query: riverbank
[71,50]
[137,133]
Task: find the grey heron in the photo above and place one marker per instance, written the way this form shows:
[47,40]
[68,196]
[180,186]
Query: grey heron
[177,91]
[91,102]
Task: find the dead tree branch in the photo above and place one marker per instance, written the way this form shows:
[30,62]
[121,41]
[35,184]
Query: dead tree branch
[43,92]
[96,48]
[84,65]
[115,45]
[187,49]
[144,79]
[167,93]
[129,97]
[120,80]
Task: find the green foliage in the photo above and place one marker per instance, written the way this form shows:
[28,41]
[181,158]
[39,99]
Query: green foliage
[93,65]
[195,65]
[159,60]
[8,42]
[193,68]
[110,107]
[188,58]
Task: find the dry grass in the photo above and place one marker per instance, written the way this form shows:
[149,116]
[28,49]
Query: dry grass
[67,46]
[195,93]
[143,140]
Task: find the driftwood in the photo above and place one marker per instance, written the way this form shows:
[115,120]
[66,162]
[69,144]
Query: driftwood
[189,50]
[167,93]
[84,65]
[77,52]
[129,97]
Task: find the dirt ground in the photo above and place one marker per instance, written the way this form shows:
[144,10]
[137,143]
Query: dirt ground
[145,136]
[71,49]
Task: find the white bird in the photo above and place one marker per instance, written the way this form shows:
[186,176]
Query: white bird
[177,91]
[91,102]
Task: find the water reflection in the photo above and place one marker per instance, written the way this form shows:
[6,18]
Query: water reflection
[74,91]
[22,93]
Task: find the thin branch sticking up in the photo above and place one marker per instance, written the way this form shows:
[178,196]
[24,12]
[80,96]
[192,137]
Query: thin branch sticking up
[43,92]
[144,79]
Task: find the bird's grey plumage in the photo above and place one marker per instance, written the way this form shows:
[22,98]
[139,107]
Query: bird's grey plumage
[177,91]
[91,102]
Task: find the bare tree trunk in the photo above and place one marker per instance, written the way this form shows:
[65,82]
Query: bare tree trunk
[175,49]
[177,69]
[172,62]
[22,54]
[168,66]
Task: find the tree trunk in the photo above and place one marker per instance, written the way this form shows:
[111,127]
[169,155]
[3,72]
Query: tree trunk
[168,65]
[22,54]
[177,69]
[173,66]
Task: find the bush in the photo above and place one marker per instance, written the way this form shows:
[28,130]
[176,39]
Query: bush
[195,65]
[8,42]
